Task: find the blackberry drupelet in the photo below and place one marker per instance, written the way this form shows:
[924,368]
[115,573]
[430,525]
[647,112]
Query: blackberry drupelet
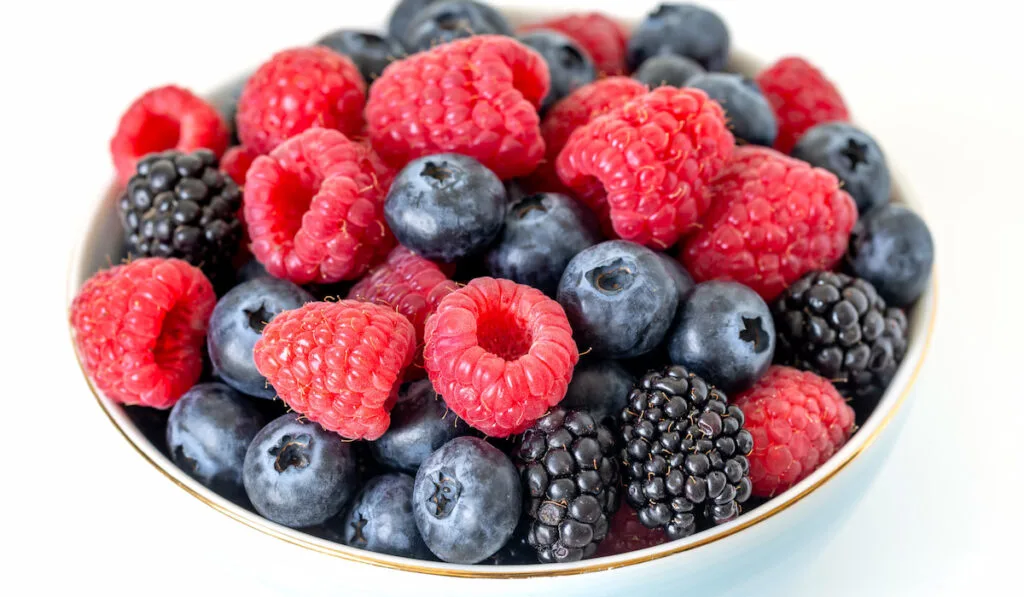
[685,453]
[840,328]
[180,205]
[570,484]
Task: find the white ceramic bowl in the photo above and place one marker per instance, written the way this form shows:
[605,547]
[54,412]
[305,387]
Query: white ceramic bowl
[792,525]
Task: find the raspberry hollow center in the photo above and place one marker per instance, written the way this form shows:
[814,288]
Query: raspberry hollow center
[501,333]
[174,331]
[158,133]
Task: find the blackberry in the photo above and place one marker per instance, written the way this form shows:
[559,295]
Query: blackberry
[570,484]
[840,328]
[685,453]
[180,205]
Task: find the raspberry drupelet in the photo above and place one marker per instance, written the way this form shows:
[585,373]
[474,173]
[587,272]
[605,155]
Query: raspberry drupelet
[140,327]
[477,97]
[314,208]
[500,353]
[339,364]
[410,285]
[165,118]
[774,219]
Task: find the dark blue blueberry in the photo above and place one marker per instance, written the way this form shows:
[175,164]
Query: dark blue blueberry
[620,299]
[446,206]
[542,234]
[853,156]
[680,277]
[369,51]
[466,500]
[403,14]
[251,270]
[749,115]
[682,29]
[569,65]
[297,474]
[599,387]
[380,519]
[667,69]
[208,432]
[892,248]
[236,325]
[725,334]
[420,424]
[225,100]
[152,423]
[443,22]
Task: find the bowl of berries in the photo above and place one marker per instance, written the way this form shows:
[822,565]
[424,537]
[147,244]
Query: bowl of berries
[510,302]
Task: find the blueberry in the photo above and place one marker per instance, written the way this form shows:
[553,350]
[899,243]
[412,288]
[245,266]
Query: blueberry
[369,51]
[446,206]
[853,156]
[420,424]
[542,234]
[619,297]
[450,20]
[466,500]
[680,277]
[600,387]
[380,519]
[667,69]
[236,325]
[569,65]
[750,117]
[682,29]
[297,474]
[225,100]
[892,248]
[251,270]
[724,334]
[403,14]
[208,432]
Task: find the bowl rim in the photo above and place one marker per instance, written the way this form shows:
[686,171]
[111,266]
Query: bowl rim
[924,313]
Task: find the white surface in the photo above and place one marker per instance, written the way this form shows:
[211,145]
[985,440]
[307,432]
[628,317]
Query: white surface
[940,88]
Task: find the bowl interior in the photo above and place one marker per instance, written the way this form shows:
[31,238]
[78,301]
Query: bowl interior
[101,246]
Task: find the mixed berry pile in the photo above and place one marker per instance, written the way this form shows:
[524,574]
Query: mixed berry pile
[476,294]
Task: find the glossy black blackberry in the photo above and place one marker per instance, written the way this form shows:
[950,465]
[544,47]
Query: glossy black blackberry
[685,455]
[570,484]
[180,205]
[840,328]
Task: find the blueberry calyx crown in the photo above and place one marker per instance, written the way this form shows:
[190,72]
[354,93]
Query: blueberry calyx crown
[291,451]
[753,332]
[447,490]
[258,318]
[358,537]
[612,278]
[856,152]
[441,173]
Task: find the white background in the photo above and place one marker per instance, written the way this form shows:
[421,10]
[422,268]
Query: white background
[940,87]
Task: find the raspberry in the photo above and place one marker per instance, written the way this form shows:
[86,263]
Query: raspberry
[500,353]
[139,329]
[798,421]
[774,219]
[644,167]
[410,285]
[476,96]
[236,163]
[315,208]
[601,37]
[574,111]
[626,533]
[166,118]
[297,90]
[339,364]
[801,97]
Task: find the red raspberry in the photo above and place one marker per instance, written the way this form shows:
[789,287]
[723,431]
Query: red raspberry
[798,421]
[140,329]
[297,90]
[575,110]
[236,163]
[626,533]
[315,208]
[476,96]
[166,118]
[410,285]
[773,220]
[645,166]
[500,353]
[339,364]
[603,38]
[801,97]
